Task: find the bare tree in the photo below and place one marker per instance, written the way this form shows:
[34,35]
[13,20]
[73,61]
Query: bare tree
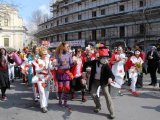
[38,17]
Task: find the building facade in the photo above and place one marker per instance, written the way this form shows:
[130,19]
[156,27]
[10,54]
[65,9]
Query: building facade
[112,22]
[12,30]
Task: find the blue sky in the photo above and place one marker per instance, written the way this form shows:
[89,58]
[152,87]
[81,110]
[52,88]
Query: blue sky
[26,7]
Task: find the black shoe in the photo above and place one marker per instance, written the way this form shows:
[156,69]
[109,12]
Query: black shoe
[150,84]
[111,116]
[154,84]
[96,110]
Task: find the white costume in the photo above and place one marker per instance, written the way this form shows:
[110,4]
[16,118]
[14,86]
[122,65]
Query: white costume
[42,78]
[11,71]
[118,68]
[133,72]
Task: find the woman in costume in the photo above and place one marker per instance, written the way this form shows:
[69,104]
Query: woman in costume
[4,80]
[134,66]
[117,62]
[43,77]
[78,83]
[64,76]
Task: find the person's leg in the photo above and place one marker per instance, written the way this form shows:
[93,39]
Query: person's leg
[60,90]
[66,92]
[93,92]
[154,77]
[133,83]
[3,91]
[84,99]
[13,74]
[109,101]
[43,101]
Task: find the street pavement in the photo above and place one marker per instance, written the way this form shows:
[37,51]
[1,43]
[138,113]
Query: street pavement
[20,105]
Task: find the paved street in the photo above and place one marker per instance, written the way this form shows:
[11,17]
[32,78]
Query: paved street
[21,106]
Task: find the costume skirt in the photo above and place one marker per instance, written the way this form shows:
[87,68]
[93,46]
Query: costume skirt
[4,80]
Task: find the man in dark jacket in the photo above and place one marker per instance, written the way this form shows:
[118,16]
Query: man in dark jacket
[101,75]
[153,59]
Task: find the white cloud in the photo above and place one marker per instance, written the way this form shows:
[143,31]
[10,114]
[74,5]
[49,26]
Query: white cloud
[45,9]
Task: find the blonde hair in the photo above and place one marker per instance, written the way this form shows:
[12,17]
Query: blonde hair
[41,50]
[59,50]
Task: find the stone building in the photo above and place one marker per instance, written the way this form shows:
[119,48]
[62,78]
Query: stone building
[12,30]
[112,22]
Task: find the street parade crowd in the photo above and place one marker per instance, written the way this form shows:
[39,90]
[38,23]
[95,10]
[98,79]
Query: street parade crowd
[65,71]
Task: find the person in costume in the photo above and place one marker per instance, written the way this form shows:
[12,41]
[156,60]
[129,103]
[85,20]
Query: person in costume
[101,75]
[64,76]
[35,55]
[117,62]
[134,67]
[11,65]
[4,80]
[77,83]
[43,77]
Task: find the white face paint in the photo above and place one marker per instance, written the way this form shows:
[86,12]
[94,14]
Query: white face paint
[104,60]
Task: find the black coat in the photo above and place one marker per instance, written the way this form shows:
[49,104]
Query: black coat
[106,72]
[153,63]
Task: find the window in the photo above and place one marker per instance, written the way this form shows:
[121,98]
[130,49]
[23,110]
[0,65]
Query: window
[94,35]
[80,35]
[79,17]
[6,42]
[6,22]
[57,37]
[93,0]
[66,37]
[79,3]
[122,31]
[66,2]
[142,3]
[121,8]
[94,14]
[57,22]
[46,26]
[103,12]
[103,32]
[142,29]
[66,20]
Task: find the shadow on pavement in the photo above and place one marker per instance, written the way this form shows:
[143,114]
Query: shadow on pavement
[157,108]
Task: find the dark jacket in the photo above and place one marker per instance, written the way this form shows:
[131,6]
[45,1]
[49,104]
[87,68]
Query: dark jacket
[153,63]
[106,72]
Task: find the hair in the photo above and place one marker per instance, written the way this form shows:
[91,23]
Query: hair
[60,49]
[1,55]
[41,49]
[78,50]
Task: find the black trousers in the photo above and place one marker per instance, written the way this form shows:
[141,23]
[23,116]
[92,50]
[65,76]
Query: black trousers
[3,91]
[153,76]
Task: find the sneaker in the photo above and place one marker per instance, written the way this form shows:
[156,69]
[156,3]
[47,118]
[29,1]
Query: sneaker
[35,100]
[44,109]
[120,94]
[38,97]
[96,110]
[136,94]
[4,98]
